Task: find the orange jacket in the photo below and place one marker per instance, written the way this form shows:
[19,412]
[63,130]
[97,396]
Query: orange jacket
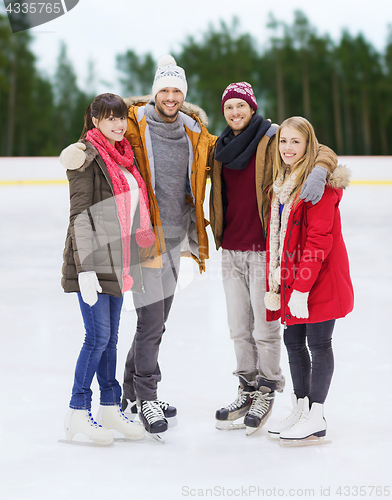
[201,144]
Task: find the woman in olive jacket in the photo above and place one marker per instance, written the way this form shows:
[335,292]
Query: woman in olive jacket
[108,200]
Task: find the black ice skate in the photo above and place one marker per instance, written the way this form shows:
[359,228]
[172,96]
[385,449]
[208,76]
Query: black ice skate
[225,417]
[259,411]
[153,419]
[168,410]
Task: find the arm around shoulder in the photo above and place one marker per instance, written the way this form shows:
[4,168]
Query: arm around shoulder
[326,158]
[325,164]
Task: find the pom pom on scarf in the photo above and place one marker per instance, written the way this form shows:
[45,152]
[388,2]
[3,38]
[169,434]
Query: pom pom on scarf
[272,301]
[145,237]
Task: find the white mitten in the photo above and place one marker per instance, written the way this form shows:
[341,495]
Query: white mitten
[313,188]
[298,304]
[89,286]
[73,156]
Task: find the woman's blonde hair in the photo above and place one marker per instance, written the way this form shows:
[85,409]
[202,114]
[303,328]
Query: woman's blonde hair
[305,165]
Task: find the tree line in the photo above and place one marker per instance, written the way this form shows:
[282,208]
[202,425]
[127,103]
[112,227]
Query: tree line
[344,88]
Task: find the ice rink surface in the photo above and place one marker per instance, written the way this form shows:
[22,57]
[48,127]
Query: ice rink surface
[42,332]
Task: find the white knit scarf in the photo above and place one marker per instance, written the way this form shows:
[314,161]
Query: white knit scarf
[283,188]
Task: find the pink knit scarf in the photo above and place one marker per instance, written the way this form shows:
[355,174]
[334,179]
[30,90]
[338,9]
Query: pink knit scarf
[122,155]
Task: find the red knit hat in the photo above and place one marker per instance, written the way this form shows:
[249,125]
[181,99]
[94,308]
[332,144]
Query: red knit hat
[240,90]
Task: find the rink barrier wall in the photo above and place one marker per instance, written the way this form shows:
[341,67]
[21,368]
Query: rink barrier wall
[49,171]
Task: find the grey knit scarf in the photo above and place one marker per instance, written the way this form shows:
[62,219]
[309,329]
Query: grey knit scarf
[171,155]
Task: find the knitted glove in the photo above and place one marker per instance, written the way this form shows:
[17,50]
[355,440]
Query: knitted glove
[89,286]
[313,188]
[298,304]
[73,156]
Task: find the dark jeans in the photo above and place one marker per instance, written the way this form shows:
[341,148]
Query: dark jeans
[309,347]
[142,372]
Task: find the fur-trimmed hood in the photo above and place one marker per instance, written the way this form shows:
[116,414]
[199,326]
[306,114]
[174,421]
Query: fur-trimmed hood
[187,108]
[340,177]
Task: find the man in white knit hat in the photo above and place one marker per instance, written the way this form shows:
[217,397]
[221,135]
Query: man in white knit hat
[171,145]
[171,160]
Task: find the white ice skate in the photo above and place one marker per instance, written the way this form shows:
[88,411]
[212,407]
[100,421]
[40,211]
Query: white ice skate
[309,430]
[112,417]
[290,420]
[81,421]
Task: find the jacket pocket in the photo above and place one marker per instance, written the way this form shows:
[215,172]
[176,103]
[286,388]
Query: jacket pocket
[190,242]
[322,290]
[102,259]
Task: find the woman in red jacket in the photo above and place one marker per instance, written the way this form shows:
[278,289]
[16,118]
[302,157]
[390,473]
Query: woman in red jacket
[309,283]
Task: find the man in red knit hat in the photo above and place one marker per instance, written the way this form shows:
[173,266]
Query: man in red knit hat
[241,175]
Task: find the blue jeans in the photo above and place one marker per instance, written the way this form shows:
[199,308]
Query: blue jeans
[99,353]
[311,375]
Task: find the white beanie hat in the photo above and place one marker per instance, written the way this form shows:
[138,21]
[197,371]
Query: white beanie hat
[169,74]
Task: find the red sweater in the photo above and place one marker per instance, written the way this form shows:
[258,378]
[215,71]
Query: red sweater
[243,230]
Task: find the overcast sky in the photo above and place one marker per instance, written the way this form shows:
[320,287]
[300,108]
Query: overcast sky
[98,30]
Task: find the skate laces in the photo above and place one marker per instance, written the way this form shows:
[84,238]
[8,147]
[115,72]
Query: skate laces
[152,411]
[91,419]
[261,403]
[294,412]
[302,420]
[240,400]
[123,416]
[163,405]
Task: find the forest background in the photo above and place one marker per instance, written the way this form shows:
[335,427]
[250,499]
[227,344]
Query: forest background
[343,87]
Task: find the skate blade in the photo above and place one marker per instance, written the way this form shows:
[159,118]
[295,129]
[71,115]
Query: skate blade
[160,437]
[228,425]
[309,441]
[127,440]
[252,430]
[86,443]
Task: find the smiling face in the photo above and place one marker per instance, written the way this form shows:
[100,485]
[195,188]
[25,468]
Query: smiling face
[111,127]
[292,145]
[168,102]
[238,114]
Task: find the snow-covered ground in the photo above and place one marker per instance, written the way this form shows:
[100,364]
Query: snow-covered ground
[42,332]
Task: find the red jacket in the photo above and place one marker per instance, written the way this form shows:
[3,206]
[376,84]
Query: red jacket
[314,259]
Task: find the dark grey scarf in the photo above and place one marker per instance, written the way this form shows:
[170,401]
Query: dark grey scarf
[236,151]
